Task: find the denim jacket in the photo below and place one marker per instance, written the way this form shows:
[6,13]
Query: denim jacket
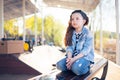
[84,45]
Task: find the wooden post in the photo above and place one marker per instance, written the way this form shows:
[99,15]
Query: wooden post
[35,26]
[1,19]
[117,32]
[24,31]
[101,34]
[43,38]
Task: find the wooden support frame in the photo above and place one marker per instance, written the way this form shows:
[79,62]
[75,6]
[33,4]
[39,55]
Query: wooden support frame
[103,63]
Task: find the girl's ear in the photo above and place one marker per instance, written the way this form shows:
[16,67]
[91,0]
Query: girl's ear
[84,21]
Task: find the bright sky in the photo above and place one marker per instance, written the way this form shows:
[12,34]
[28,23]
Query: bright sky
[58,13]
[108,17]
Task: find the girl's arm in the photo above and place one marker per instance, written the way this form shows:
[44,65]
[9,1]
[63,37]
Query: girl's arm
[69,55]
[87,46]
[69,51]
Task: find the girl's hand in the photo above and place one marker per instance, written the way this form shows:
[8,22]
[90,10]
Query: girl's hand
[68,59]
[69,62]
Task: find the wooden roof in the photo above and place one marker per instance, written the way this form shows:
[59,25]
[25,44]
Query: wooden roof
[13,8]
[86,5]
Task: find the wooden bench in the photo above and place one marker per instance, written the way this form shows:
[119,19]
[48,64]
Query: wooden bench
[68,75]
[102,63]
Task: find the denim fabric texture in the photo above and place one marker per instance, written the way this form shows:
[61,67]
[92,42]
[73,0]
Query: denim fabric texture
[84,45]
[79,67]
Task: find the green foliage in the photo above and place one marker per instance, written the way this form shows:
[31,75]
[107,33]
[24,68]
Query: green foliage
[53,30]
[30,24]
[48,26]
[107,38]
[10,29]
[106,34]
[58,33]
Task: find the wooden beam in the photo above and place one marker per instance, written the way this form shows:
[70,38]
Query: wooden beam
[1,19]
[117,32]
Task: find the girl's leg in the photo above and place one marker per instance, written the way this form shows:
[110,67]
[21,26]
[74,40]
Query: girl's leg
[81,66]
[61,65]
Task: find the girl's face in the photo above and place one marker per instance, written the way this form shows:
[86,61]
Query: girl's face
[77,21]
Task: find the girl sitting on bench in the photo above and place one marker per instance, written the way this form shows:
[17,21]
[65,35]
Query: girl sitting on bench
[79,45]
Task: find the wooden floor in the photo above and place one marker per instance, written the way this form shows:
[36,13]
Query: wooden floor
[12,65]
[42,58]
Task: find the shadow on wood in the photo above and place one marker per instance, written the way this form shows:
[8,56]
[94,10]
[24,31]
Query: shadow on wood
[9,64]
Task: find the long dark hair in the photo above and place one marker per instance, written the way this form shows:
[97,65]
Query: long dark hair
[70,28]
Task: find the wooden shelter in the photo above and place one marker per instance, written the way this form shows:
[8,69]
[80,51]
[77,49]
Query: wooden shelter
[10,9]
[14,8]
[86,5]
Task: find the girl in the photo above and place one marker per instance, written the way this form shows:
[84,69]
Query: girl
[79,43]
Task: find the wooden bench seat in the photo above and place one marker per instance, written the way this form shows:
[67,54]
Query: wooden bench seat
[102,63]
[68,75]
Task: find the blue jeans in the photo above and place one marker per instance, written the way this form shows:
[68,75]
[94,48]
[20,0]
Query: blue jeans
[79,67]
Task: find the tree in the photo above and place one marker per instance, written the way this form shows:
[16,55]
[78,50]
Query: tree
[30,24]
[9,27]
[53,30]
